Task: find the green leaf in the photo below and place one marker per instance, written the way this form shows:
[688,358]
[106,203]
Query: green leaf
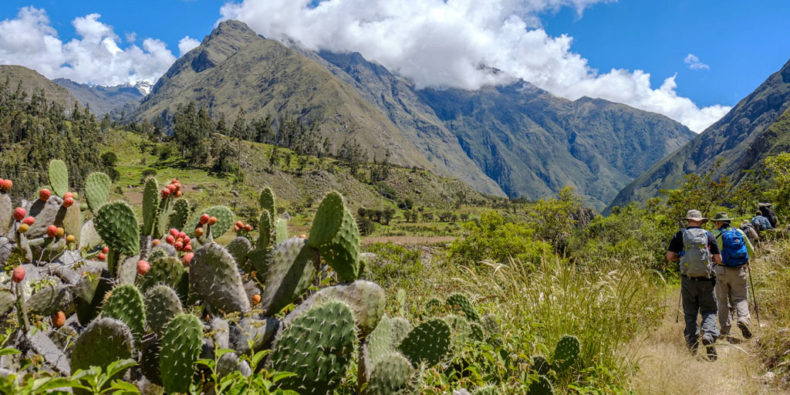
[9,351]
[281,375]
[120,385]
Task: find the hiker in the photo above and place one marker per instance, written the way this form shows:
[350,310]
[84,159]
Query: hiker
[750,232]
[767,209]
[760,222]
[731,275]
[695,248]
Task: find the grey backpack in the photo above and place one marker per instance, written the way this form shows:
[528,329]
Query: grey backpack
[695,260]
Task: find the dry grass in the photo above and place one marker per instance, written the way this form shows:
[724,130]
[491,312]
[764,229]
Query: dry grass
[667,367]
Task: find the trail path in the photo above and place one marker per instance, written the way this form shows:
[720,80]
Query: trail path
[667,367]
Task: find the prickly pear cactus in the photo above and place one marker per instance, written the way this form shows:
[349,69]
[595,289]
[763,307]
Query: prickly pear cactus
[379,342]
[542,386]
[238,249]
[280,230]
[392,375]
[104,341]
[117,225]
[459,328]
[317,346]
[335,234]
[458,302]
[97,190]
[567,352]
[490,324]
[266,201]
[366,299]
[476,332]
[150,205]
[290,273]
[400,329]
[149,359]
[433,306]
[162,305]
[58,177]
[224,221]
[180,348]
[213,276]
[72,220]
[126,304]
[540,365]
[178,218]
[429,342]
[266,234]
[165,270]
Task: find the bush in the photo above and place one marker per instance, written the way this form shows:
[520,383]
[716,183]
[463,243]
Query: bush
[393,264]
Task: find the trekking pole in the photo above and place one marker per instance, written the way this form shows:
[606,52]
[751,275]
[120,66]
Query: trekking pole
[677,311]
[754,296]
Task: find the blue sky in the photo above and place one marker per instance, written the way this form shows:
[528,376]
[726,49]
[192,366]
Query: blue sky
[633,51]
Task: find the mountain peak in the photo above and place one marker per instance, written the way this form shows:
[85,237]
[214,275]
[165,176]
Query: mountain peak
[231,30]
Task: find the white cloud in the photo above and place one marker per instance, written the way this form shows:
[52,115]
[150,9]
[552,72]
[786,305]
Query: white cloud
[694,63]
[456,43]
[95,57]
[186,44]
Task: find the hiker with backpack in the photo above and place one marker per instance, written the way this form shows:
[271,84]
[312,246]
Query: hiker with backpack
[760,222]
[732,276]
[767,209]
[696,249]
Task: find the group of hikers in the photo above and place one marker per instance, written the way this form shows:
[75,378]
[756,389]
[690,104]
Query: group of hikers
[714,270]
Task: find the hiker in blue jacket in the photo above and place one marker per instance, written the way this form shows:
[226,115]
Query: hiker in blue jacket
[760,222]
[732,284]
[695,249]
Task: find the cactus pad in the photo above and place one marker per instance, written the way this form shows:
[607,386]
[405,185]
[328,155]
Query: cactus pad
[238,249]
[400,329]
[378,344]
[567,352]
[266,201]
[266,231]
[458,302]
[180,348]
[317,346]
[72,220]
[49,300]
[104,341]
[365,298]
[476,332]
[280,230]
[165,270]
[540,365]
[224,221]
[97,190]
[289,274]
[392,375]
[150,205]
[541,386]
[328,220]
[433,306]
[429,342]
[213,276]
[58,177]
[335,234]
[161,306]
[117,225]
[126,304]
[178,218]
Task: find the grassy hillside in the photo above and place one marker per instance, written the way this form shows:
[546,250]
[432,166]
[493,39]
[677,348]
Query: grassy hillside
[32,81]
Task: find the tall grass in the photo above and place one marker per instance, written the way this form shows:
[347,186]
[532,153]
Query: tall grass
[772,285]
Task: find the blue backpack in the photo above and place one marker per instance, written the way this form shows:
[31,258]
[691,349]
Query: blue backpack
[733,248]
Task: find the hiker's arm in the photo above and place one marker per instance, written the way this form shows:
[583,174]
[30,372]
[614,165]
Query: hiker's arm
[716,258]
[672,256]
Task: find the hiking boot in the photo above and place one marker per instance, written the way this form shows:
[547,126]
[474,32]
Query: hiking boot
[693,347]
[747,333]
[709,348]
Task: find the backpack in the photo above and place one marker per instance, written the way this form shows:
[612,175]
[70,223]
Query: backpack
[695,260]
[768,212]
[733,247]
[750,232]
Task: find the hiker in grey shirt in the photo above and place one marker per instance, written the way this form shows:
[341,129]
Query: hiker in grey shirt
[695,248]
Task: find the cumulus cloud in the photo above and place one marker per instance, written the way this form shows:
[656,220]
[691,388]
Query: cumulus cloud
[186,44]
[694,63]
[95,57]
[465,44]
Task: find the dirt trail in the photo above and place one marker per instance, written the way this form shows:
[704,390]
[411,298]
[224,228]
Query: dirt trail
[667,367]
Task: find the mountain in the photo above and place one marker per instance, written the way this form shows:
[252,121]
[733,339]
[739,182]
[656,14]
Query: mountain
[741,139]
[530,142]
[31,81]
[514,140]
[103,99]
[235,69]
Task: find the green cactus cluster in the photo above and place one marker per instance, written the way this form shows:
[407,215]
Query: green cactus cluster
[335,234]
[126,304]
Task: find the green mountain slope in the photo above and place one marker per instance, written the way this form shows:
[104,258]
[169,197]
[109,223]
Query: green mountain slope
[533,143]
[101,99]
[741,139]
[234,68]
[32,81]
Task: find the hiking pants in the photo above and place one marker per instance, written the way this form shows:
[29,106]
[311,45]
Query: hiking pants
[732,286]
[699,298]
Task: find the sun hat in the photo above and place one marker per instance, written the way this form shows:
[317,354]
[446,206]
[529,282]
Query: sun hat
[695,215]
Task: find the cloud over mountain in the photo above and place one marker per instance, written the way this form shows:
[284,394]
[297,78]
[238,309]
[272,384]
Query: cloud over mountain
[465,44]
[95,57]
